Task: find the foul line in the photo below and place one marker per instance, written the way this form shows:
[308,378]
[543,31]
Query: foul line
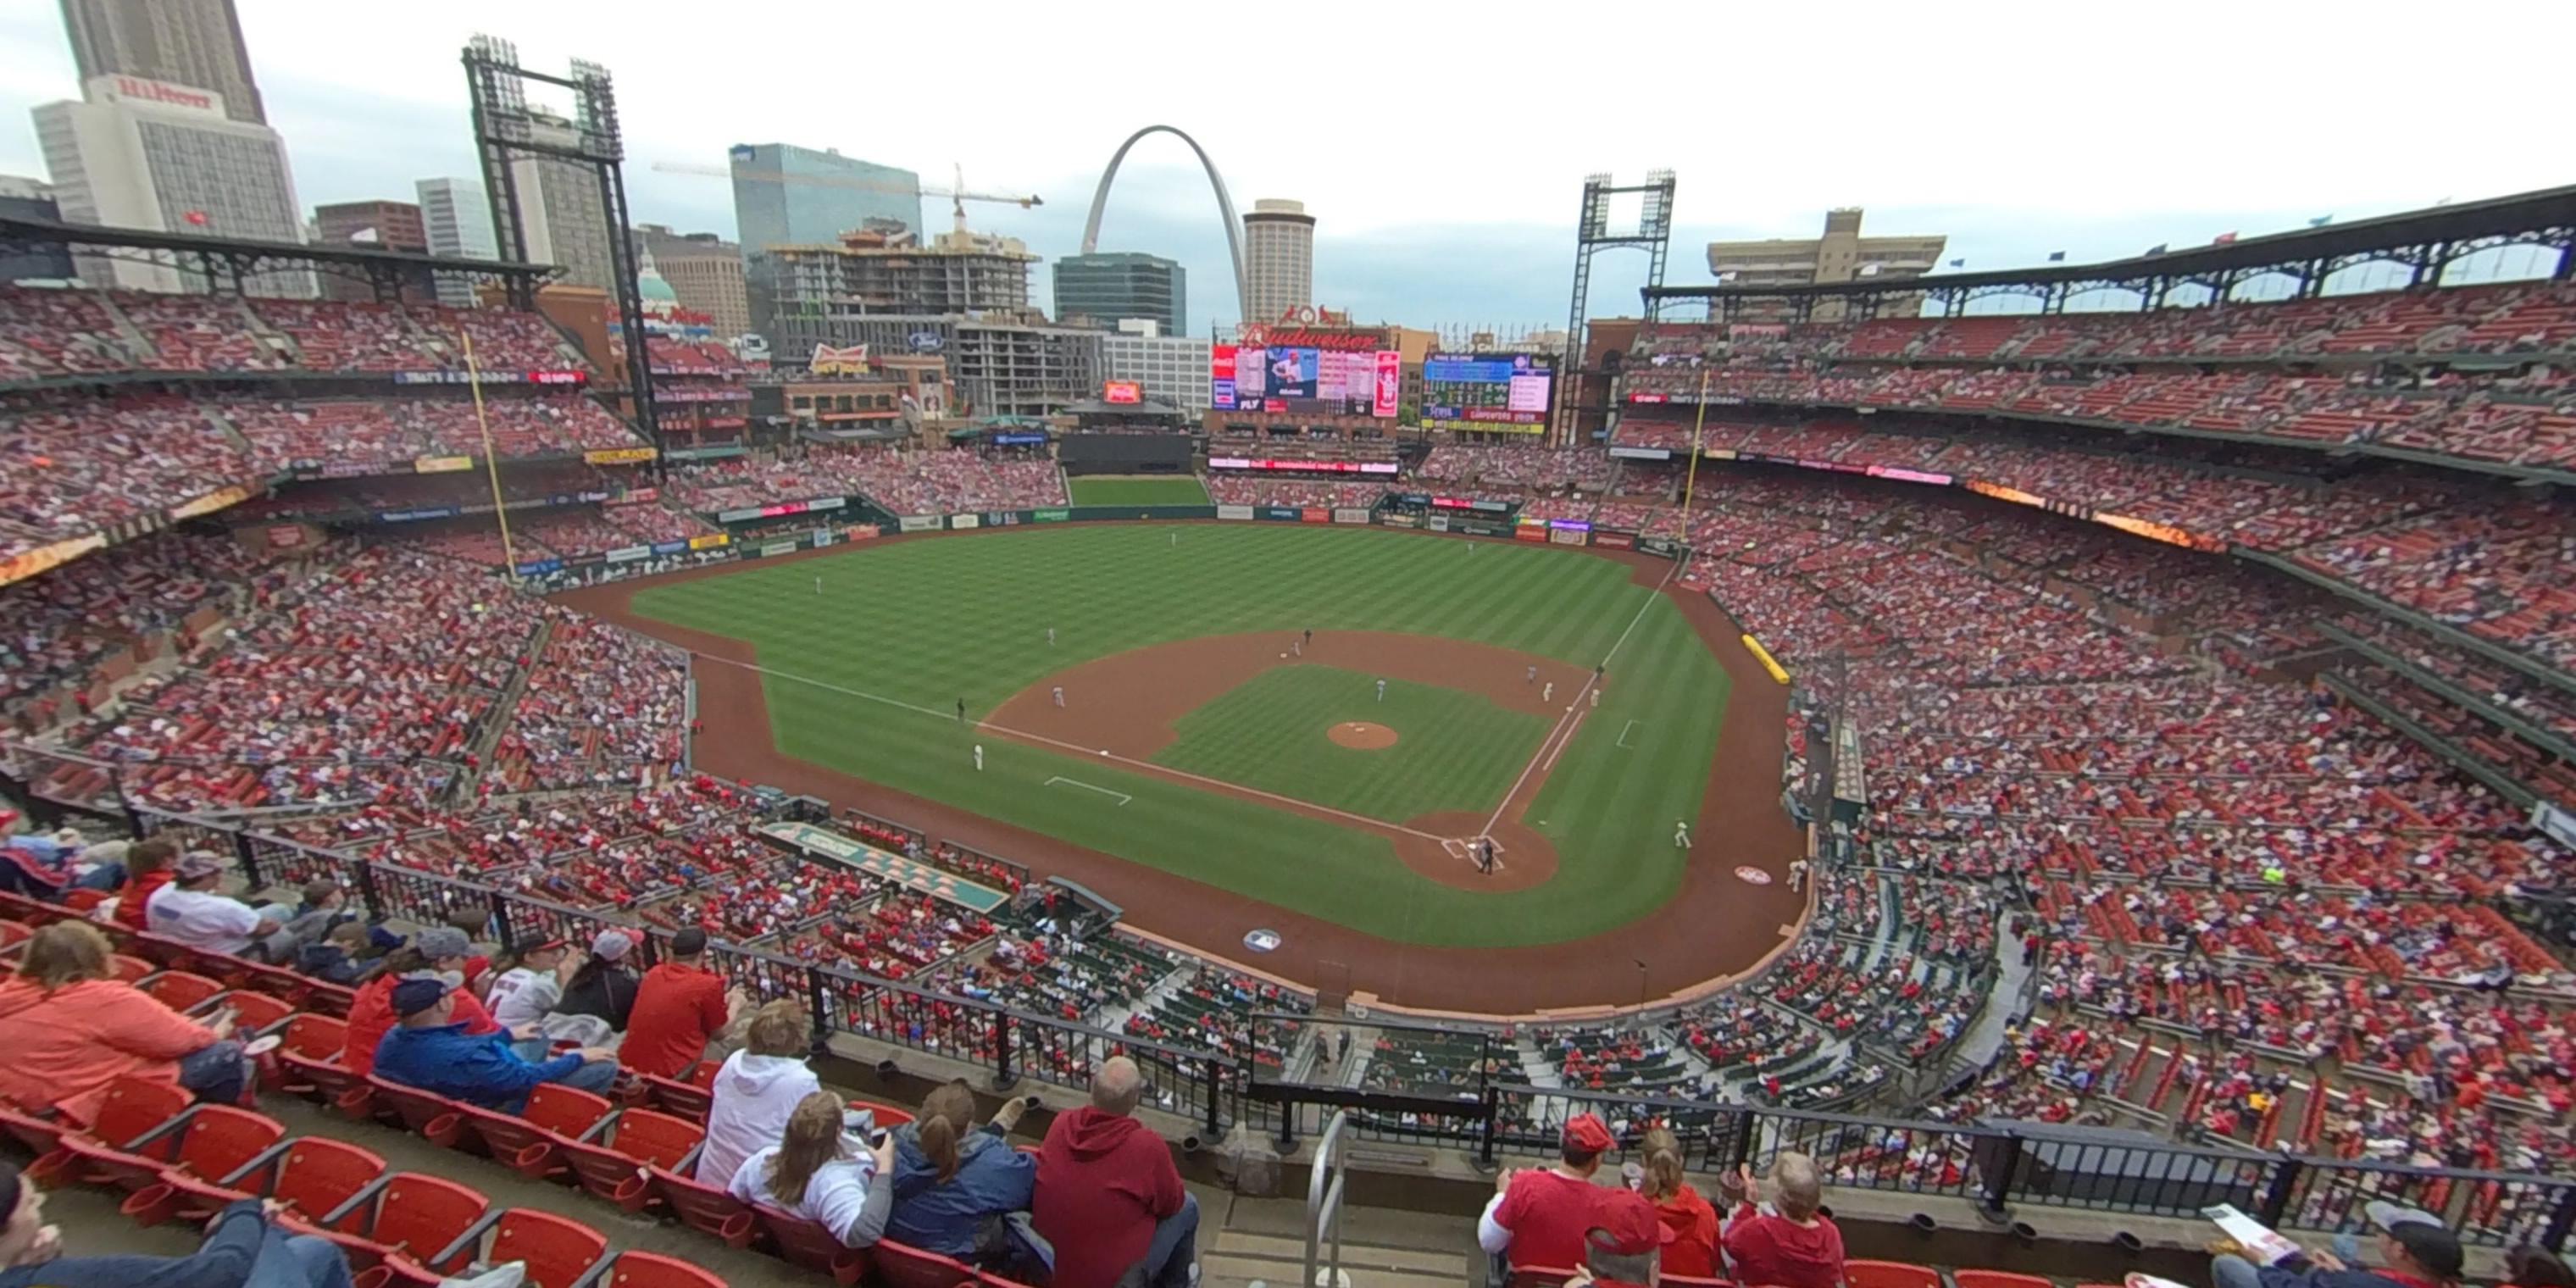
[1563,732]
[1624,730]
[1140,766]
[1123,797]
[1566,742]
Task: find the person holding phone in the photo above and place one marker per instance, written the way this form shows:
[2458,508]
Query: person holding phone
[953,1181]
[820,1173]
[71,1028]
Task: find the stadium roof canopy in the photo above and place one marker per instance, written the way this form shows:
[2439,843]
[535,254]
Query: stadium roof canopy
[52,232]
[2425,238]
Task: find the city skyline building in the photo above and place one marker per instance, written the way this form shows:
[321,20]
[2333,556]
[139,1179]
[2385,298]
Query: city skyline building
[1278,259]
[705,273]
[182,42]
[25,198]
[456,218]
[1841,254]
[786,195]
[164,157]
[371,225]
[1111,288]
[1172,368]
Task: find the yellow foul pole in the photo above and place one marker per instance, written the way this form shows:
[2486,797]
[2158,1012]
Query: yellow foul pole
[1698,421]
[491,460]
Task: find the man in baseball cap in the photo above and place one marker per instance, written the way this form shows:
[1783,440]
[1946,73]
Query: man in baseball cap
[431,1050]
[1540,1218]
[1624,1248]
[2416,1250]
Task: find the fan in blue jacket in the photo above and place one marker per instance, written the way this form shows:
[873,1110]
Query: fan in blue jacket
[2415,1251]
[427,1051]
[951,1179]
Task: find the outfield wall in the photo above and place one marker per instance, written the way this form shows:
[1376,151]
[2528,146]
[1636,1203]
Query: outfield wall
[773,531]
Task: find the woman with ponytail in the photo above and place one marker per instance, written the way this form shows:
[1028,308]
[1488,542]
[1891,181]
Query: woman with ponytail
[1692,1220]
[954,1181]
[821,1174]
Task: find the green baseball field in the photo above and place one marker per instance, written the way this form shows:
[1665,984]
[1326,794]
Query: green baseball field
[1328,720]
[1138,489]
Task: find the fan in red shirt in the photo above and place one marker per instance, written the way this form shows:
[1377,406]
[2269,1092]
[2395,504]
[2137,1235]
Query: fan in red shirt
[1626,1245]
[1539,1218]
[678,1008]
[1794,1246]
[1690,1223]
[147,869]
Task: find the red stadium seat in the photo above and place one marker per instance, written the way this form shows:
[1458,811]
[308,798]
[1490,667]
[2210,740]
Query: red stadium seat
[531,1141]
[130,969]
[434,1117]
[14,933]
[901,1266]
[136,1114]
[682,1099]
[636,1141]
[1997,1279]
[645,1270]
[806,1243]
[707,1209]
[1889,1274]
[558,1251]
[207,1143]
[179,990]
[408,1223]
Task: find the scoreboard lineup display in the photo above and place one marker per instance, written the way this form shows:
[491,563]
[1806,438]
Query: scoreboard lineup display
[1329,382]
[1504,391]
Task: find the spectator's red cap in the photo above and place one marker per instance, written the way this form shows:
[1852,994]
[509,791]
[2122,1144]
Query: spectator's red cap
[1584,1134]
[1625,1225]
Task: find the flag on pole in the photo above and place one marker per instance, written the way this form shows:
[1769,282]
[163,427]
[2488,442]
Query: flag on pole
[1958,263]
[2222,239]
[2320,221]
[2057,257]
[2157,249]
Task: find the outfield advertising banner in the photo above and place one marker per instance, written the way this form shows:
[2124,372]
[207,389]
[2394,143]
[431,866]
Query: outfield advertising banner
[709,541]
[1234,512]
[1347,515]
[540,567]
[628,554]
[962,522]
[1314,514]
[1402,521]
[1659,546]
[1566,536]
[1057,515]
[1613,540]
[773,549]
[441,464]
[1480,528]
[1530,530]
[918,523]
[1281,512]
[1001,518]
[1641,454]
[1436,522]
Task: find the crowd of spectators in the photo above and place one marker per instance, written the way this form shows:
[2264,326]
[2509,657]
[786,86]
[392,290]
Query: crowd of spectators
[389,434]
[904,481]
[2186,839]
[1518,465]
[1271,489]
[57,332]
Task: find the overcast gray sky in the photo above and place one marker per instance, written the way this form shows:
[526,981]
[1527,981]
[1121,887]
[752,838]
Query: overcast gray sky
[1443,147]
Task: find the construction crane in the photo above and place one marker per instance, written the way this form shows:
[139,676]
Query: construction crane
[957,195]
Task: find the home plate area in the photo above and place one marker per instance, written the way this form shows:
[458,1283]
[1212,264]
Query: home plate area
[1463,848]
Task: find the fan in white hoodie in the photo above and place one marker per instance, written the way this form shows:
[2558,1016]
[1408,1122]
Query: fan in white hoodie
[756,1091]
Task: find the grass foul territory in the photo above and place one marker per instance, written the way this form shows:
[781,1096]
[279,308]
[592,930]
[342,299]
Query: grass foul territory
[1137,489]
[864,677]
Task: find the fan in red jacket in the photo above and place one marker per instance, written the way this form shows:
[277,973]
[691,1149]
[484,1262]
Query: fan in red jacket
[1794,1246]
[1108,1196]
[1538,1218]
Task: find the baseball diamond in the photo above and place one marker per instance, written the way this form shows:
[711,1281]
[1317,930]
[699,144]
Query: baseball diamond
[1221,788]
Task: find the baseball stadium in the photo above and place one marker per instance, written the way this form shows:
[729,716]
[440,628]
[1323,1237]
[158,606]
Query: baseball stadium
[2049,774]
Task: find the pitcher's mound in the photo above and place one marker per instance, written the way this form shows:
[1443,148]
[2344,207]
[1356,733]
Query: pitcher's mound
[1359,735]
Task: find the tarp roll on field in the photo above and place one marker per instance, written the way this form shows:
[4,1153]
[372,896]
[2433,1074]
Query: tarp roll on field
[1763,655]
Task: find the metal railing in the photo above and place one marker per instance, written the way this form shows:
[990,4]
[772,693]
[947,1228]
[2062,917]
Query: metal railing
[1324,1205]
[1995,1165]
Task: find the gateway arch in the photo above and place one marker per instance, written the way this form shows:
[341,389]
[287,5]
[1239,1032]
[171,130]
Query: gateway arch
[1224,204]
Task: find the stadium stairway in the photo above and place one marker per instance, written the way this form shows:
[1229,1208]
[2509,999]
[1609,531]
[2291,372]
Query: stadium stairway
[1262,1242]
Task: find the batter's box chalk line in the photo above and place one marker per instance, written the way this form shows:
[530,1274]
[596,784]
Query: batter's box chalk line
[1123,797]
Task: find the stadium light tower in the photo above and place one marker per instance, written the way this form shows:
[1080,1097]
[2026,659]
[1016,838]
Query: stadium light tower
[1593,235]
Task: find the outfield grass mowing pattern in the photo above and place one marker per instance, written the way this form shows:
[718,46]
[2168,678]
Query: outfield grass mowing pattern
[1454,750]
[926,622]
[1130,489]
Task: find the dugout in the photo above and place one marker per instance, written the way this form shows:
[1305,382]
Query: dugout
[1082,454]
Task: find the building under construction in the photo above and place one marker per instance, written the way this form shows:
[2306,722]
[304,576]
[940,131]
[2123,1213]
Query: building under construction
[873,271]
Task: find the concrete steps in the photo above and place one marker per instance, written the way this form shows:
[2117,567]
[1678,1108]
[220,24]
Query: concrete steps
[1241,1259]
